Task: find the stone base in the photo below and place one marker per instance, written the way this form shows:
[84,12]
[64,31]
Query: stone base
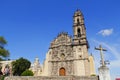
[104,73]
[52,78]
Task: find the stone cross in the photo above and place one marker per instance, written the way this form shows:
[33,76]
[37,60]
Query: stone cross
[101,54]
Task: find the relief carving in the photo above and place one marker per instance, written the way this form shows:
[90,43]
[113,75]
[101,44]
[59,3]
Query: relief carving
[62,54]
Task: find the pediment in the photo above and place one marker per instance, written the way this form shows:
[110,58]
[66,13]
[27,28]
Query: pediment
[62,39]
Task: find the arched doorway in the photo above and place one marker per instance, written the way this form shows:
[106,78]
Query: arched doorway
[62,71]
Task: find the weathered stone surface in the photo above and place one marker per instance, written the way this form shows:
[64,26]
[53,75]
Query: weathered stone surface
[52,78]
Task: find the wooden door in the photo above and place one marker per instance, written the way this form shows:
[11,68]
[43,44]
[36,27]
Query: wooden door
[62,72]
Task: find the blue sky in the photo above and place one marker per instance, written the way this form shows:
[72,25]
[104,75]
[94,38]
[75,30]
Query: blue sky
[30,25]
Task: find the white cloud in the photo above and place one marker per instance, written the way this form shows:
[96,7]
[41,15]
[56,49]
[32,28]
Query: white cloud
[106,32]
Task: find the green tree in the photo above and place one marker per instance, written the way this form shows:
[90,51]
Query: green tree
[3,52]
[19,66]
[27,73]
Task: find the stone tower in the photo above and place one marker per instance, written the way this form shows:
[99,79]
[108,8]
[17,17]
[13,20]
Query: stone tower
[80,45]
[36,67]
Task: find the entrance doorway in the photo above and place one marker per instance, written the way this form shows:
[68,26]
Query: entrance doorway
[62,71]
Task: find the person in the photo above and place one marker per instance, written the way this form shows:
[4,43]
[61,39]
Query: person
[6,71]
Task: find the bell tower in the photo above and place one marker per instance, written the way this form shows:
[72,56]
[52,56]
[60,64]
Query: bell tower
[80,45]
[79,29]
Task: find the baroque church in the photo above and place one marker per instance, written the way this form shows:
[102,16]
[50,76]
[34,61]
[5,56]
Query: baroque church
[68,56]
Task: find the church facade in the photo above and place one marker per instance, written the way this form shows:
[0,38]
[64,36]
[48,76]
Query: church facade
[68,56]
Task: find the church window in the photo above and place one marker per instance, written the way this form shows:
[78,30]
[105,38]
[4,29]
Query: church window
[78,22]
[78,31]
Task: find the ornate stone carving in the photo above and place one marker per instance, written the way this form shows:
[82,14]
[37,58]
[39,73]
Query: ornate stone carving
[62,39]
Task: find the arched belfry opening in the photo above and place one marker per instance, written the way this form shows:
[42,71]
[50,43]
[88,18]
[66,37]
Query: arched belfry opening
[78,21]
[78,32]
[62,72]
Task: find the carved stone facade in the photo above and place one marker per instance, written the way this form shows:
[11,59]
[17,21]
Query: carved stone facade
[61,55]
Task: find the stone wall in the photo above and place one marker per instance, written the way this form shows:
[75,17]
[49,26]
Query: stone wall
[51,78]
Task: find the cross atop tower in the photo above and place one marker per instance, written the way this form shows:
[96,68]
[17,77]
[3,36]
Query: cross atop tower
[101,54]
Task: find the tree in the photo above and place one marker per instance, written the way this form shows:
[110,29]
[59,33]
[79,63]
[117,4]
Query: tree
[19,66]
[3,52]
[27,73]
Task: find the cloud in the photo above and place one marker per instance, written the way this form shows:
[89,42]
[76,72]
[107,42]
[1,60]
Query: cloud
[106,32]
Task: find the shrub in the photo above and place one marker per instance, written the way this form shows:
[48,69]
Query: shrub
[27,73]
[93,74]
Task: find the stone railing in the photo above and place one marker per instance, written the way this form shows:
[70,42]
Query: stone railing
[52,78]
